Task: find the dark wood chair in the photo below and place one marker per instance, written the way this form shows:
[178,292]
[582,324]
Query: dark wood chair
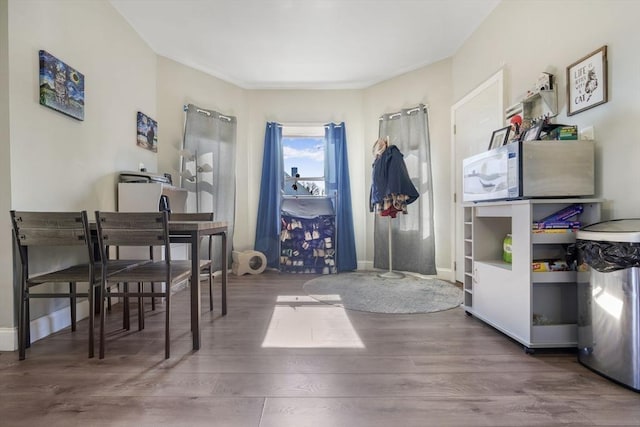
[54,230]
[144,229]
[206,264]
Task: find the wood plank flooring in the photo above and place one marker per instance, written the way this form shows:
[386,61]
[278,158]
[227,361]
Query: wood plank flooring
[439,369]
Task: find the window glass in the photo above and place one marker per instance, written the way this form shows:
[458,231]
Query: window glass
[303,154]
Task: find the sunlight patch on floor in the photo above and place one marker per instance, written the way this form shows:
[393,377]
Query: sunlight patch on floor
[303,322]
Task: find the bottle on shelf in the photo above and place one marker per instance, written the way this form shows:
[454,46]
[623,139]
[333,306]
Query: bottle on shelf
[506,249]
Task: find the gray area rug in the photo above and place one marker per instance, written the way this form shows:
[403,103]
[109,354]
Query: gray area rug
[366,291]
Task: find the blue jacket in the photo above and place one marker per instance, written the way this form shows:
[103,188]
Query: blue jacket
[390,176]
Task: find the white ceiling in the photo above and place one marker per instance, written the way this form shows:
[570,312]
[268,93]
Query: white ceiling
[305,44]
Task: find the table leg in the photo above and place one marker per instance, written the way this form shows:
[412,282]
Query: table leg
[195,289]
[224,273]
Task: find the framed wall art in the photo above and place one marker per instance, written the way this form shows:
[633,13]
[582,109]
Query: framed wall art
[147,135]
[499,137]
[587,82]
[61,86]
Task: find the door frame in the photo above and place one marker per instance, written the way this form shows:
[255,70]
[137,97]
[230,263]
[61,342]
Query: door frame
[456,199]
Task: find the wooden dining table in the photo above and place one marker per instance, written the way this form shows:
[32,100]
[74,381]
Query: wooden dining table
[192,232]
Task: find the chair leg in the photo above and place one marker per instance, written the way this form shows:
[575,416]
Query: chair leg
[27,325]
[22,323]
[125,308]
[167,343]
[140,306]
[224,297]
[72,305]
[153,299]
[210,289]
[103,313]
[92,307]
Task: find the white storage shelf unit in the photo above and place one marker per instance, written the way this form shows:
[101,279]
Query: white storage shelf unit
[537,309]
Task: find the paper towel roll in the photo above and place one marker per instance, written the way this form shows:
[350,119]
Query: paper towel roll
[252,262]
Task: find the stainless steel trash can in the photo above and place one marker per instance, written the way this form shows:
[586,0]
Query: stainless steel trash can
[609,300]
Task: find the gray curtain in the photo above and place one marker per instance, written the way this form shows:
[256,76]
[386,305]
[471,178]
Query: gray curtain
[412,235]
[209,156]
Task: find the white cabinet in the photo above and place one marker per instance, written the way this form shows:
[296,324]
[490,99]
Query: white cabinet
[537,309]
[145,197]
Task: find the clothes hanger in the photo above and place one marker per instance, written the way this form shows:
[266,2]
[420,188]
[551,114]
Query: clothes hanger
[380,146]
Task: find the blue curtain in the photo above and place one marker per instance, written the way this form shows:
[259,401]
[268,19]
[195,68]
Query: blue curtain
[337,180]
[271,184]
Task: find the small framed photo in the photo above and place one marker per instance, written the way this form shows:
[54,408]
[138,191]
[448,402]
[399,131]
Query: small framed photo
[533,133]
[587,82]
[147,132]
[499,137]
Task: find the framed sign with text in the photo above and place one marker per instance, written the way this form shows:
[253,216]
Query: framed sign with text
[587,82]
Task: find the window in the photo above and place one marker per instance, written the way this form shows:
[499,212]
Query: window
[303,150]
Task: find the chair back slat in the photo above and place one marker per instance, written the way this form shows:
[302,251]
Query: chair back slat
[131,220]
[50,228]
[132,229]
[132,237]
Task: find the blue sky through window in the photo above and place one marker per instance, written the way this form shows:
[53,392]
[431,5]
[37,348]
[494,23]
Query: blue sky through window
[307,155]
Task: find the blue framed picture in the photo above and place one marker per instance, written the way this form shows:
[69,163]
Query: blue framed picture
[61,86]
[147,132]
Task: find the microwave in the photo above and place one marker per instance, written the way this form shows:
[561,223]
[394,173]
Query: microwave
[530,169]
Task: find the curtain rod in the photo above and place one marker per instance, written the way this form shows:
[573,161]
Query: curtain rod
[409,111]
[208,113]
[308,124]
[303,124]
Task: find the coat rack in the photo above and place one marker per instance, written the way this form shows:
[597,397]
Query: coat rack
[379,147]
[390,274]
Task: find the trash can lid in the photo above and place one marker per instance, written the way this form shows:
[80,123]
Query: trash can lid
[617,230]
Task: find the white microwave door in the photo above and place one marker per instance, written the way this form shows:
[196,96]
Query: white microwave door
[485,176]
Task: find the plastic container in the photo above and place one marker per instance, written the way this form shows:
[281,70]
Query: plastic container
[506,249]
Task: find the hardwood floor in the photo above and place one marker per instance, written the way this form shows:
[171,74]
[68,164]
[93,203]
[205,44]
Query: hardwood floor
[320,366]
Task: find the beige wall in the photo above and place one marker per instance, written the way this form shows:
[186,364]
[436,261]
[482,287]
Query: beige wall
[72,164]
[431,86]
[306,106]
[564,32]
[178,86]
[57,162]
[6,269]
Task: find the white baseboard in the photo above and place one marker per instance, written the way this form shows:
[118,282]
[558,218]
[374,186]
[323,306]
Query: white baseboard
[446,274]
[43,326]
[8,339]
[56,321]
[365,265]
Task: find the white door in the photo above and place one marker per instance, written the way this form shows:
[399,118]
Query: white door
[473,119]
